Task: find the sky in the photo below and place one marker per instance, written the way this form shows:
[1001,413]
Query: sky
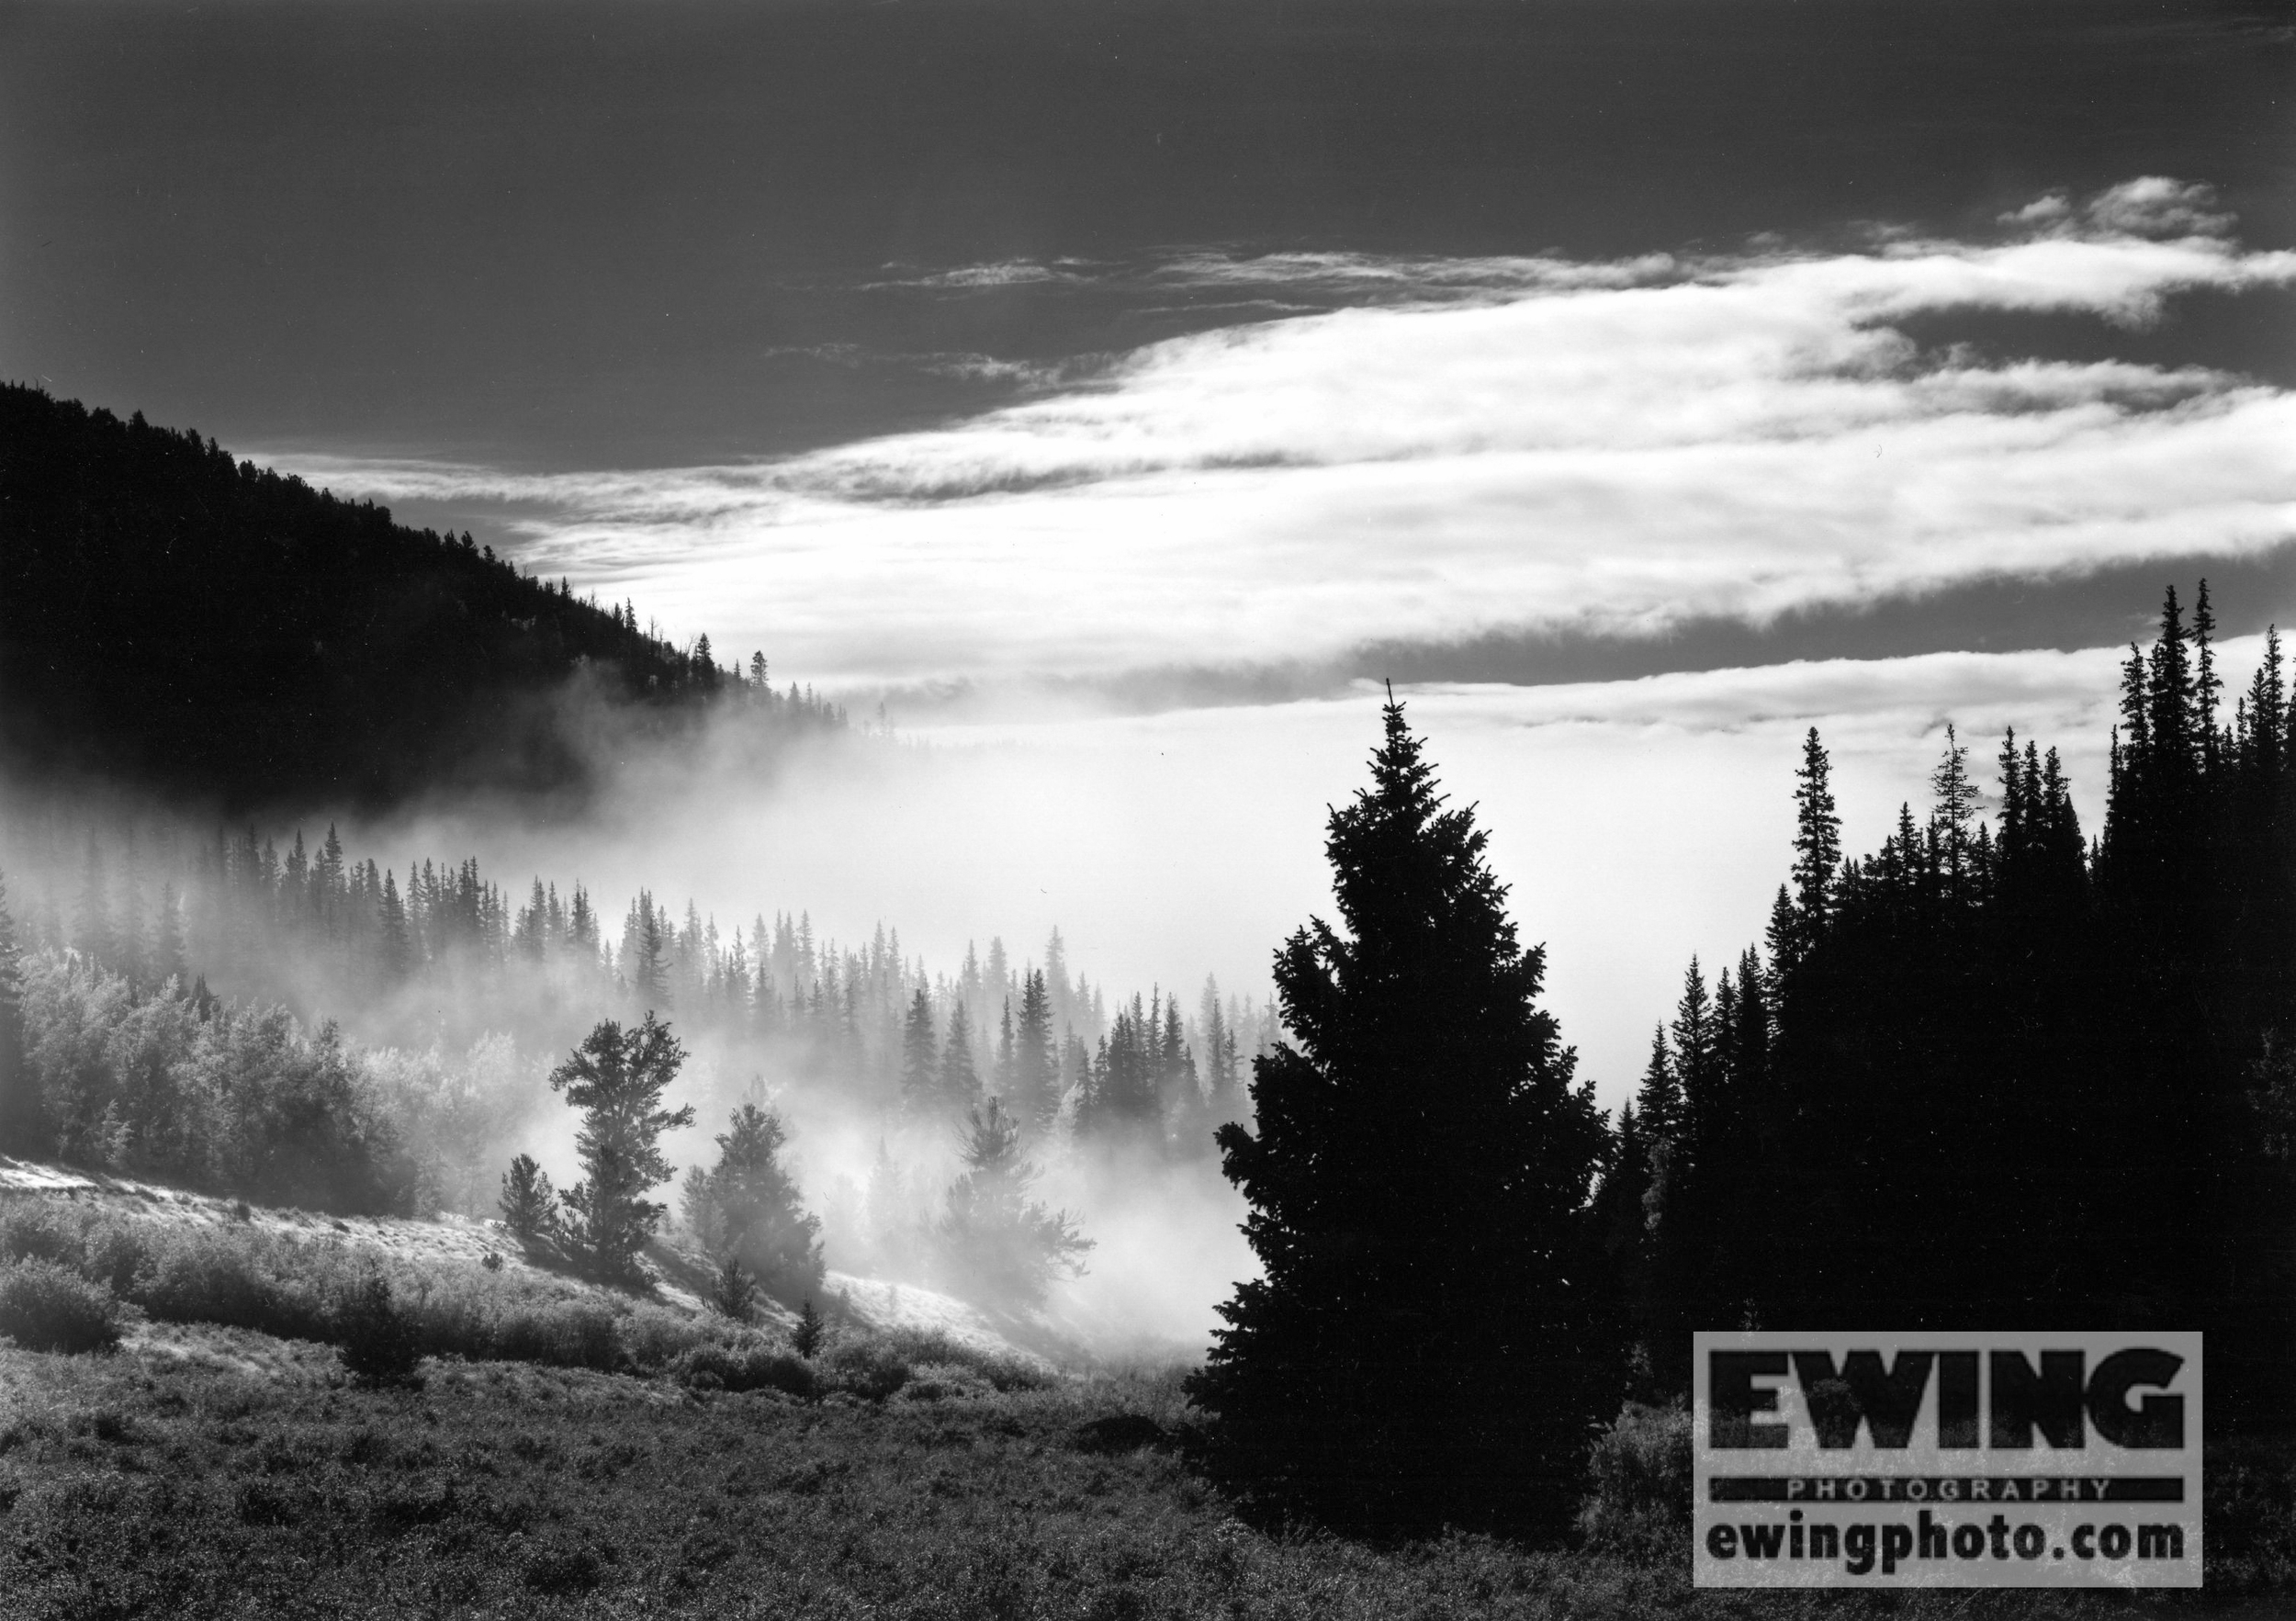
[1119,393]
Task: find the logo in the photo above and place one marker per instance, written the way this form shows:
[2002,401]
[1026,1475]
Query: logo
[1946,1460]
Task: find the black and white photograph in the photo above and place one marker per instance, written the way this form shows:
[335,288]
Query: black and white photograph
[1126,810]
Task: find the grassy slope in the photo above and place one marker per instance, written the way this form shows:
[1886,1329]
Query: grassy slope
[677,1280]
[212,1471]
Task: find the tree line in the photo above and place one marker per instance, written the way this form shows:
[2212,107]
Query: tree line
[257,642]
[1994,1073]
[448,956]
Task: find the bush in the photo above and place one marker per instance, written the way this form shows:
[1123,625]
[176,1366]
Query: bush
[45,1307]
[1000,1368]
[872,1369]
[567,1334]
[1640,1471]
[237,1278]
[751,1365]
[378,1342]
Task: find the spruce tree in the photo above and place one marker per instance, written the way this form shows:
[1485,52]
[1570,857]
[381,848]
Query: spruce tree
[1428,1342]
[960,1083]
[1035,1068]
[1817,850]
[920,1061]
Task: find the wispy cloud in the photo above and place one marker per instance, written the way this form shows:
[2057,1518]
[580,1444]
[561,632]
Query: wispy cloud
[1469,446]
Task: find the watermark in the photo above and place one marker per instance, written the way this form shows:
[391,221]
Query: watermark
[1946,1460]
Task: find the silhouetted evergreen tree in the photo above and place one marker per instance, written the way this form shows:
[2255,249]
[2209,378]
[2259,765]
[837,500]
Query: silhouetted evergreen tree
[1428,1342]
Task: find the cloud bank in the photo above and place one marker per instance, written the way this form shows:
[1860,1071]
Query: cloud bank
[1469,447]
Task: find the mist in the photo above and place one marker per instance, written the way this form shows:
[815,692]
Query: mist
[1638,822]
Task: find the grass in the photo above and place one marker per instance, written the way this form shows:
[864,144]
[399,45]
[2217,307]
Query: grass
[214,1473]
[210,1469]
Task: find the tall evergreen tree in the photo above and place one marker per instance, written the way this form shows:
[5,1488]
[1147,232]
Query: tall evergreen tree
[1036,1073]
[1427,1345]
[959,1081]
[616,1078]
[921,1056]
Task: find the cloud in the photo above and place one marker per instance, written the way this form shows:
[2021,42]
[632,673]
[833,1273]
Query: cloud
[2150,206]
[1468,447]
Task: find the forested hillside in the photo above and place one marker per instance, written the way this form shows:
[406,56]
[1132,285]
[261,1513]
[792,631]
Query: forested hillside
[1998,1073]
[176,618]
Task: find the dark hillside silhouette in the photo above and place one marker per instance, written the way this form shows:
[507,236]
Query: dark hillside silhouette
[177,618]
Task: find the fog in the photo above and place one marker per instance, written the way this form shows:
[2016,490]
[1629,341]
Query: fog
[1638,822]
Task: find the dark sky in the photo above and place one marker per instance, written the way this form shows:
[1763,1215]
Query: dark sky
[567,234]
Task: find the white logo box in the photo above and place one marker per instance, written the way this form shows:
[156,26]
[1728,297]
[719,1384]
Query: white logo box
[1946,1459]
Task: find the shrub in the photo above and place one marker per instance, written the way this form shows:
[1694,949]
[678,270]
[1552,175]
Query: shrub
[748,1365]
[45,1307]
[872,1369]
[569,1333]
[1000,1368]
[653,1337]
[235,1277]
[378,1342]
[1640,1470]
[563,1569]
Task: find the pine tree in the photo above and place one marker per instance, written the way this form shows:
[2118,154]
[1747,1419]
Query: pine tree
[1954,811]
[529,1204]
[1036,1077]
[616,1078]
[1660,1097]
[1428,1343]
[395,945]
[754,1211]
[921,1056]
[17,1107]
[960,1083]
[1817,858]
[1002,1247]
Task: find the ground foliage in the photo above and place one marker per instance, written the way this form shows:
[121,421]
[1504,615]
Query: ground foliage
[218,1473]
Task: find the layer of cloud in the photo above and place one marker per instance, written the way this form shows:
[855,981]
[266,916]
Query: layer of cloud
[1470,447]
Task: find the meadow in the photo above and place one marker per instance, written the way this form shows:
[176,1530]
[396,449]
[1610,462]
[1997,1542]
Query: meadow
[665,1461]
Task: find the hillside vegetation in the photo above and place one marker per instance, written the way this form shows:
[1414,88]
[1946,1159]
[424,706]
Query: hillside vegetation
[171,616]
[207,1468]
